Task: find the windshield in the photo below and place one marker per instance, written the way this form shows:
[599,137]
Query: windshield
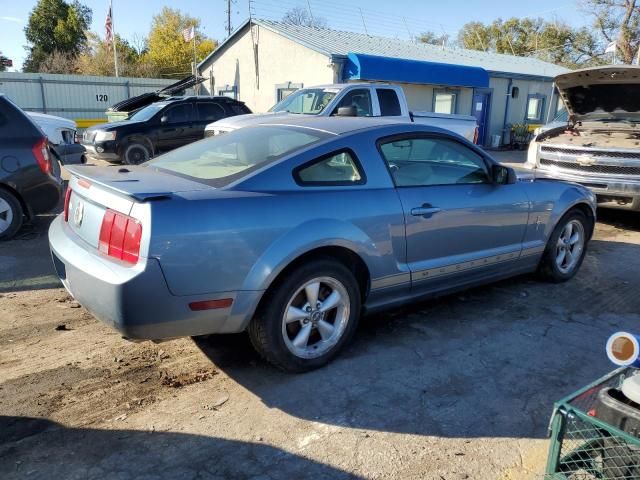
[562,116]
[222,159]
[147,112]
[309,101]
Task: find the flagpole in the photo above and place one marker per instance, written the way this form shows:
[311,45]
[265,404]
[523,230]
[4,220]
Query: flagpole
[113,39]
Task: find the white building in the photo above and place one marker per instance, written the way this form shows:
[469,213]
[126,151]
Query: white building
[263,61]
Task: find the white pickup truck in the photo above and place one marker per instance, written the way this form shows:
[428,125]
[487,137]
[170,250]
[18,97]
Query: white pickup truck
[350,99]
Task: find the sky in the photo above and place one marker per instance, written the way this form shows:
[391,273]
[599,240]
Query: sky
[399,18]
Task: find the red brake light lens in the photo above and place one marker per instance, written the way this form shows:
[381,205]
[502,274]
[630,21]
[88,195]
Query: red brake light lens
[120,237]
[41,152]
[67,198]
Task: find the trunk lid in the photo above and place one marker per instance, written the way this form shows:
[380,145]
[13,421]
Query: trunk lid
[611,92]
[96,189]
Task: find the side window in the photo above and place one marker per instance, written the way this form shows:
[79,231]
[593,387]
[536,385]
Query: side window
[433,161]
[360,99]
[179,113]
[340,168]
[210,111]
[237,108]
[68,136]
[389,103]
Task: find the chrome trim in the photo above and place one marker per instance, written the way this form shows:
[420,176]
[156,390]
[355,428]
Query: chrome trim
[391,281]
[430,273]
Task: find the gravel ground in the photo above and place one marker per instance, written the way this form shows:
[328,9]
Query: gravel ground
[457,388]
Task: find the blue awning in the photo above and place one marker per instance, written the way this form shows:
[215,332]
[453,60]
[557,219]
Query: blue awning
[387,69]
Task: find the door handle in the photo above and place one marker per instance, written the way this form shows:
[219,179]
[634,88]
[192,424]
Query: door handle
[426,210]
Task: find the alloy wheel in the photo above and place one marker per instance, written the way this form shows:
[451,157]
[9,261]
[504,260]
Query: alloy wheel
[570,246]
[316,317]
[6,215]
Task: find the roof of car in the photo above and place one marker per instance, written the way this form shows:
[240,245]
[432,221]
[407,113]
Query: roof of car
[336,125]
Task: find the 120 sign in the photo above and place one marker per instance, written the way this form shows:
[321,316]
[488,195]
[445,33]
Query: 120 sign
[102,98]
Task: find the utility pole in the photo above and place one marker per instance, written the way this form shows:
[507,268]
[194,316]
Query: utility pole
[228,18]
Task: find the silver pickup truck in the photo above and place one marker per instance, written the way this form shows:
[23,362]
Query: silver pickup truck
[350,99]
[599,145]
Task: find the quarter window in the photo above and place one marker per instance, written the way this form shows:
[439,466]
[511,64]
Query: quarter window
[358,98]
[432,161]
[340,168]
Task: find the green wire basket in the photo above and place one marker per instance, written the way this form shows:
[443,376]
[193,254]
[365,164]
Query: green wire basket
[584,447]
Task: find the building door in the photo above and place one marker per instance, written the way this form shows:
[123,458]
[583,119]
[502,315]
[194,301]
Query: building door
[481,102]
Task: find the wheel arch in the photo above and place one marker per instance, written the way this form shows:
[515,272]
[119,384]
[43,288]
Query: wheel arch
[25,208]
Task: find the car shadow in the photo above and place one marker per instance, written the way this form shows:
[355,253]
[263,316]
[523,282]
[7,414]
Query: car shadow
[41,449]
[623,219]
[25,262]
[488,362]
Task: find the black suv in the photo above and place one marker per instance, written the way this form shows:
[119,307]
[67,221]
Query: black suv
[157,128]
[29,179]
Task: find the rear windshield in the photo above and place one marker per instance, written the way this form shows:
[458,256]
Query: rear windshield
[221,159]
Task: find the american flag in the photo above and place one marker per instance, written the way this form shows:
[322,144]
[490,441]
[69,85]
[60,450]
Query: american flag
[189,33]
[108,26]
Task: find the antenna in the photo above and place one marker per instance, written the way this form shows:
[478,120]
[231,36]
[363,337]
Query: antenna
[228,27]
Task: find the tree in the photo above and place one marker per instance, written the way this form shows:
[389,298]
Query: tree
[167,49]
[302,16]
[554,42]
[55,26]
[618,21]
[432,38]
[59,62]
[97,59]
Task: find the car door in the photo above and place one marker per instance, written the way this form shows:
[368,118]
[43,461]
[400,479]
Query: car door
[176,126]
[459,224]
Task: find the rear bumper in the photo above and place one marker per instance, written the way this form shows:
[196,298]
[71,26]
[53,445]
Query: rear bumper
[611,191]
[135,300]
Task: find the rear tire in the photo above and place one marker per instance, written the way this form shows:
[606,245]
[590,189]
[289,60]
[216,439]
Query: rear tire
[136,153]
[566,248]
[11,215]
[296,336]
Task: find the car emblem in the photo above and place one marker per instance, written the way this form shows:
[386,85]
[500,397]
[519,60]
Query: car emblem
[585,160]
[78,214]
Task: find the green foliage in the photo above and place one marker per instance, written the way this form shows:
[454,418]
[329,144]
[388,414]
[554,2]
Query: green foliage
[619,21]
[55,26]
[554,42]
[167,49]
[97,59]
[432,38]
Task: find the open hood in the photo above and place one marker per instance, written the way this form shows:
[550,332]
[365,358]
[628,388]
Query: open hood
[611,92]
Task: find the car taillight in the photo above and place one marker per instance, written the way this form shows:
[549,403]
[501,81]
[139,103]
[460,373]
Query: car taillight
[67,197]
[120,237]
[41,152]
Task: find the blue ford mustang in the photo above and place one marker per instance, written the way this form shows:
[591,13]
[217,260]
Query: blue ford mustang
[291,231]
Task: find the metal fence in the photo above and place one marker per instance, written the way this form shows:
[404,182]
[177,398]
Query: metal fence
[77,97]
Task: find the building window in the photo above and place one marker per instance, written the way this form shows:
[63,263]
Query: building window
[230,91]
[535,108]
[283,90]
[444,101]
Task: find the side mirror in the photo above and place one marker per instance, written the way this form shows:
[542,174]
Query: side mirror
[502,175]
[347,111]
[164,119]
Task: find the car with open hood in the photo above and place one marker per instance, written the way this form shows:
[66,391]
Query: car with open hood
[599,144]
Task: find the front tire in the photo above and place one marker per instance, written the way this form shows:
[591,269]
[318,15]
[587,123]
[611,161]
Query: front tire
[308,317]
[11,215]
[136,153]
[566,248]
